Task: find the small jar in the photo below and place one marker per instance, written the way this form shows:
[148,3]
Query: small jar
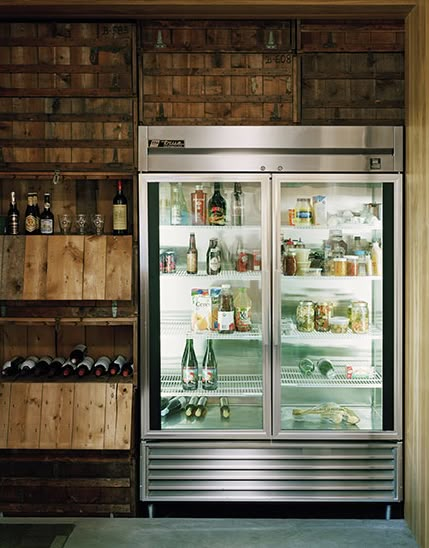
[352,265]
[306,366]
[305,316]
[289,263]
[359,317]
[322,315]
[340,266]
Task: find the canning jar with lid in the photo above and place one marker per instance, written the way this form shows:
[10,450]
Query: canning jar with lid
[359,317]
[340,266]
[305,316]
[322,315]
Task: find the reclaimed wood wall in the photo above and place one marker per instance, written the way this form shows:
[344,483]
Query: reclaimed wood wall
[416,280]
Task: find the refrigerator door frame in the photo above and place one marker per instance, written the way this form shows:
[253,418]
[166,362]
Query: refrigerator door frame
[146,179]
[339,178]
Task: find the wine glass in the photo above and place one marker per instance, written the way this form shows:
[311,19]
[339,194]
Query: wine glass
[65,222]
[98,223]
[81,223]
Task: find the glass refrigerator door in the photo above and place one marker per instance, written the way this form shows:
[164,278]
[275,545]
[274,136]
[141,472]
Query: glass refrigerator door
[208,304]
[338,292]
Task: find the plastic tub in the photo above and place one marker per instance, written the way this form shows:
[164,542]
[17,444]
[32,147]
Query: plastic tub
[339,324]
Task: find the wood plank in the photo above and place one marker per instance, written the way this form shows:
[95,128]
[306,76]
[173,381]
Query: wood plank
[68,337]
[100,340]
[119,268]
[57,416]
[65,267]
[35,268]
[94,270]
[111,416]
[24,416]
[89,416]
[15,341]
[123,433]
[40,340]
[4,412]
[12,267]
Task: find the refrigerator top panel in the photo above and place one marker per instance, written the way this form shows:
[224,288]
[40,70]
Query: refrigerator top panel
[283,149]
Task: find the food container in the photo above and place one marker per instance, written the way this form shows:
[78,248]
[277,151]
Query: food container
[314,272]
[339,324]
[352,265]
[302,254]
[322,315]
[340,266]
[305,316]
[360,317]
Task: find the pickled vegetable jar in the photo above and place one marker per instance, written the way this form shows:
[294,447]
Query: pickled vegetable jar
[322,315]
[359,316]
[305,316]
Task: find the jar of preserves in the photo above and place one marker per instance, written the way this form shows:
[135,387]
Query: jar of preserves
[305,316]
[340,266]
[322,316]
[303,212]
[352,265]
[359,317]
[289,263]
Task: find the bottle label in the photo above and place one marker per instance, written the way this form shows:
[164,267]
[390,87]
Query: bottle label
[30,223]
[191,263]
[198,209]
[176,215]
[120,217]
[46,226]
[13,224]
[217,215]
[214,264]
[189,378]
[226,320]
[208,378]
[243,320]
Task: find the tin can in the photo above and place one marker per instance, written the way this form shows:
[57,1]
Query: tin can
[291,216]
[170,262]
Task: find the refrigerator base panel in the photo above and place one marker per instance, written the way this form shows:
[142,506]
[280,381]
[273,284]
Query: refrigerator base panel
[271,471]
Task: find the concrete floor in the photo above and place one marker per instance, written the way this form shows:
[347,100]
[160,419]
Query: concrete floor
[231,533]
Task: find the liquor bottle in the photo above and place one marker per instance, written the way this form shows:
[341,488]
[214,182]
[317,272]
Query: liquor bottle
[30,223]
[199,206]
[42,366]
[209,368]
[176,208]
[226,310]
[36,211]
[192,256]
[164,402]
[10,367]
[101,366]
[237,206]
[214,257]
[191,406]
[217,207]
[120,212]
[68,368]
[85,366]
[27,366]
[12,216]
[47,217]
[174,406]
[78,353]
[201,409]
[116,365]
[127,369]
[56,366]
[183,207]
[242,310]
[189,366]
[225,411]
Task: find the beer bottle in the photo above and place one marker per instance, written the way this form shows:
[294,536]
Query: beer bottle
[12,216]
[209,368]
[225,411]
[30,215]
[192,256]
[217,207]
[189,366]
[214,258]
[201,409]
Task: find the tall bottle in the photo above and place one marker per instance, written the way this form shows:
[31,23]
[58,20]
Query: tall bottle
[12,216]
[47,217]
[237,206]
[120,212]
[377,259]
[242,310]
[192,256]
[11,367]
[174,406]
[226,310]
[214,257]
[36,211]
[189,366]
[30,223]
[183,205]
[199,206]
[217,207]
[209,368]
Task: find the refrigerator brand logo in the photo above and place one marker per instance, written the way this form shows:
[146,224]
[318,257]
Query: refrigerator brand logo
[166,143]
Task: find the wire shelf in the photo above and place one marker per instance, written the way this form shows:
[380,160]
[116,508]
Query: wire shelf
[292,376]
[228,385]
[290,331]
[224,274]
[172,325]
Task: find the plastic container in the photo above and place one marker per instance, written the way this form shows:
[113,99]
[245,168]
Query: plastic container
[339,324]
[314,272]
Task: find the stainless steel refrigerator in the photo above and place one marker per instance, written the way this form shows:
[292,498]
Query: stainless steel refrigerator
[313,381]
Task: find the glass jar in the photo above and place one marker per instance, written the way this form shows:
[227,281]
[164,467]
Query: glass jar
[289,263]
[340,266]
[322,315]
[352,265]
[359,317]
[306,366]
[326,368]
[303,212]
[305,316]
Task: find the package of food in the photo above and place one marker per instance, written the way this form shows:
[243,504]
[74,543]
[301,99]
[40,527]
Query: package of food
[215,298]
[320,211]
[201,309]
[359,371]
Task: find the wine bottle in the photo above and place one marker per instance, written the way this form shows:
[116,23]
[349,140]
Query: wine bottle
[217,207]
[209,368]
[78,353]
[12,216]
[120,213]
[201,409]
[10,367]
[42,366]
[174,406]
[55,366]
[30,223]
[116,365]
[237,206]
[191,406]
[225,411]
[164,402]
[192,256]
[189,366]
[85,366]
[27,366]
[47,217]
[101,366]
[68,368]
[127,369]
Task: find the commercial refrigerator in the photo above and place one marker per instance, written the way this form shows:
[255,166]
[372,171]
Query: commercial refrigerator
[313,382]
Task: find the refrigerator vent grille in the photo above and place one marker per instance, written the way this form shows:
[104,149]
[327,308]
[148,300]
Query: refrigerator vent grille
[210,471]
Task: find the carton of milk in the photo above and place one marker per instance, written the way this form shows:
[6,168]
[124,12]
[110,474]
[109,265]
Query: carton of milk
[320,210]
